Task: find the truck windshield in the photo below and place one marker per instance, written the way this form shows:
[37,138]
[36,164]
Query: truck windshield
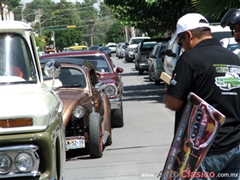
[16,63]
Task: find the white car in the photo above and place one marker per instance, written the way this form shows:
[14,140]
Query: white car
[120,52]
[133,43]
[173,51]
[231,45]
[112,47]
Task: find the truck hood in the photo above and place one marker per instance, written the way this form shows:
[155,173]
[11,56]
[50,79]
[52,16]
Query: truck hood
[28,101]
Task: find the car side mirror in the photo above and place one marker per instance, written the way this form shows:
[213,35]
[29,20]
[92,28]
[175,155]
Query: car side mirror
[170,53]
[119,70]
[152,56]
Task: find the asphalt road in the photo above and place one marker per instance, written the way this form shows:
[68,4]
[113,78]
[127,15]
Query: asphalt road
[140,148]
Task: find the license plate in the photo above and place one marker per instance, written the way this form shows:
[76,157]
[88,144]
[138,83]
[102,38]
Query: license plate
[75,142]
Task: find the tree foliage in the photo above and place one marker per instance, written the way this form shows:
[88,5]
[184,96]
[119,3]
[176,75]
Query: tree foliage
[156,16]
[115,33]
[151,16]
[214,10]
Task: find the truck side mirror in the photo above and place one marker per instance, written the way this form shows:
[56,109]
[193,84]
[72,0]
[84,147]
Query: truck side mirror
[52,70]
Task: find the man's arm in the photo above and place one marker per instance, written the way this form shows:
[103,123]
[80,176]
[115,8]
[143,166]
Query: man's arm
[172,102]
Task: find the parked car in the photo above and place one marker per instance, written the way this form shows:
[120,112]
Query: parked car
[231,44]
[155,62]
[106,50]
[143,51]
[173,51]
[93,48]
[120,52]
[86,114]
[32,134]
[40,53]
[109,74]
[112,47]
[131,45]
[78,48]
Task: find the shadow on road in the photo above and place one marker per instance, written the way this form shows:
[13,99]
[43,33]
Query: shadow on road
[147,91]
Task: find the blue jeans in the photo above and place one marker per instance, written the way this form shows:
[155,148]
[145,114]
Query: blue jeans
[225,166]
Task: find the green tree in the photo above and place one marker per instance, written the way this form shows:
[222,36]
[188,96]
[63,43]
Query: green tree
[214,10]
[103,22]
[115,33]
[66,38]
[15,6]
[152,16]
[40,42]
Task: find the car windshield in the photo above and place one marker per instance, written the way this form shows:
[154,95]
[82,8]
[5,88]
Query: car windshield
[148,45]
[135,41]
[234,47]
[94,48]
[104,48]
[100,65]
[16,63]
[221,35]
[99,62]
[71,77]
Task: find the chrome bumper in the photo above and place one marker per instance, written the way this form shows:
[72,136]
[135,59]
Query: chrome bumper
[143,65]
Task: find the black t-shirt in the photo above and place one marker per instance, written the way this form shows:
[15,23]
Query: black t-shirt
[211,72]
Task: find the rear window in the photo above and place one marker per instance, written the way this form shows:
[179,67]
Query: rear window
[221,35]
[148,45]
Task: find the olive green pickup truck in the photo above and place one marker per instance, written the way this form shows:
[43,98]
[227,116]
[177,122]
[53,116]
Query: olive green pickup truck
[32,140]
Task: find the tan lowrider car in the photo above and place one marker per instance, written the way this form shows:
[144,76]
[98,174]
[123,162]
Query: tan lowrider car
[87,110]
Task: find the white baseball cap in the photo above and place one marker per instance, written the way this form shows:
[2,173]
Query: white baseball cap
[188,22]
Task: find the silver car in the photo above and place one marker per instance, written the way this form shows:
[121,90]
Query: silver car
[155,62]
[120,52]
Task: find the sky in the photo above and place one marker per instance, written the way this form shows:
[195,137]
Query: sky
[57,1]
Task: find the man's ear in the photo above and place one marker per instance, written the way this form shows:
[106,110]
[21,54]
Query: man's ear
[189,34]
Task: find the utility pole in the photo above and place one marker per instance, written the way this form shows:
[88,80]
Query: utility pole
[90,23]
[39,21]
[1,11]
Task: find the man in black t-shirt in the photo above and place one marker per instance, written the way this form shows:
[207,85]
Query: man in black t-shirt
[211,72]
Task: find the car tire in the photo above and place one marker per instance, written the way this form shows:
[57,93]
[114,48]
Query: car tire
[95,138]
[229,85]
[136,66]
[117,117]
[150,74]
[126,60]
[140,71]
[157,82]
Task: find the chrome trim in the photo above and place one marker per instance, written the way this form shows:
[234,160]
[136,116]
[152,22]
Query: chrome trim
[13,151]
